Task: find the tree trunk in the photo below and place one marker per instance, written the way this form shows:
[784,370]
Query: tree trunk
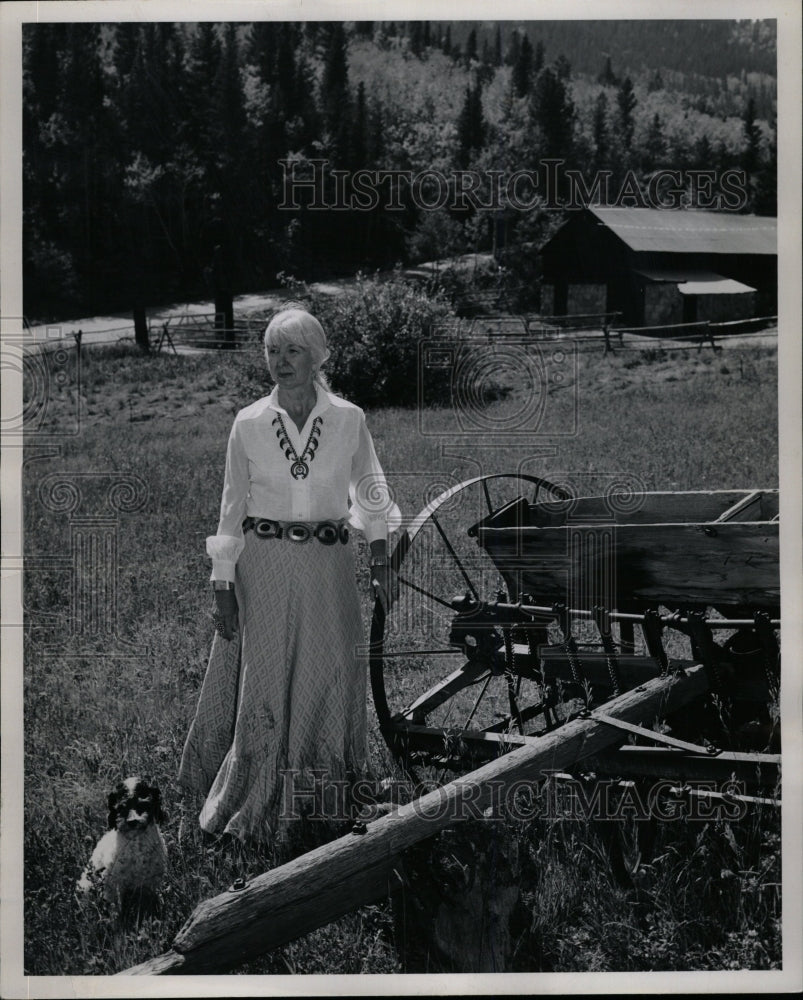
[224,316]
[141,329]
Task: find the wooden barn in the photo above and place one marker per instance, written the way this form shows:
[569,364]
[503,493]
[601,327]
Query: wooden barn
[661,266]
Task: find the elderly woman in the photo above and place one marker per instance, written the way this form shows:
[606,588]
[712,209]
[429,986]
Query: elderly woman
[284,691]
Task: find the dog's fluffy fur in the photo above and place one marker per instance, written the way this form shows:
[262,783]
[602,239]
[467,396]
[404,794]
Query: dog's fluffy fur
[131,858]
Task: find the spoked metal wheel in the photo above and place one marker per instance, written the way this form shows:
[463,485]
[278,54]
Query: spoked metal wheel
[454,668]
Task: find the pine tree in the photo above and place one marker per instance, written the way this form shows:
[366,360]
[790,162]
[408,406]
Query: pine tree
[654,144]
[471,47]
[200,70]
[416,34]
[228,104]
[261,49]
[375,142]
[359,142]
[703,154]
[607,77]
[470,126]
[563,69]
[335,99]
[538,58]
[765,201]
[521,73]
[514,48]
[751,154]
[626,103]
[600,131]
[284,74]
[553,114]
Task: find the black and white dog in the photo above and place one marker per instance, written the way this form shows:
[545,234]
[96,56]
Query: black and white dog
[131,858]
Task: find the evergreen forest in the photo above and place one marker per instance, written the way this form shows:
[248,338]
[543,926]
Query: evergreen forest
[156,155]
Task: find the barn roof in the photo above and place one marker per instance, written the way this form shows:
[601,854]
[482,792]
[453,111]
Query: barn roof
[686,231]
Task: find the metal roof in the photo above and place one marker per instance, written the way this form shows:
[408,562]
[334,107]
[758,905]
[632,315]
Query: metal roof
[673,275]
[719,286]
[688,231]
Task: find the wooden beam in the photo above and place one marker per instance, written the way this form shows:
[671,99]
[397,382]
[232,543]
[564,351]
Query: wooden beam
[471,671]
[318,887]
[754,770]
[169,964]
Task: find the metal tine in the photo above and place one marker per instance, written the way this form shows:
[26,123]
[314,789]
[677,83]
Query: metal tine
[515,712]
[602,619]
[769,648]
[563,617]
[653,628]
[705,647]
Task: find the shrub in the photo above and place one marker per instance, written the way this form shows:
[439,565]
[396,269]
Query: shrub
[489,287]
[374,331]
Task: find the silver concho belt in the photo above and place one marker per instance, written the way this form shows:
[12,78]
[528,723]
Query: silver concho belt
[326,532]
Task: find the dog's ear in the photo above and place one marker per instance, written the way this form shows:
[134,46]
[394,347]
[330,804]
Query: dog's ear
[158,812]
[113,797]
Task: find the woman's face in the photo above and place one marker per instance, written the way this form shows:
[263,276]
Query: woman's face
[290,364]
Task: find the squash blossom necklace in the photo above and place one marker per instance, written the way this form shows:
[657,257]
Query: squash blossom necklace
[300,467]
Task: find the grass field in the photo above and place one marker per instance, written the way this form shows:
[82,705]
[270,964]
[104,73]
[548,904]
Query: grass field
[98,708]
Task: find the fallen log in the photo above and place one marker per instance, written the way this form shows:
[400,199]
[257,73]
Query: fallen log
[360,868]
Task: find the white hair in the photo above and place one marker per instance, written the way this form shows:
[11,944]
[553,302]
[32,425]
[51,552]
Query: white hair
[298,326]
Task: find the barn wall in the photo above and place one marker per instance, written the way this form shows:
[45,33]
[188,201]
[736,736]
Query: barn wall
[662,304]
[721,308]
[587,298]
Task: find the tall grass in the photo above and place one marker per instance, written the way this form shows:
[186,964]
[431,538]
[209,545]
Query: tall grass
[708,899]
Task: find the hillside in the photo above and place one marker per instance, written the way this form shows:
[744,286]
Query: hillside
[713,49]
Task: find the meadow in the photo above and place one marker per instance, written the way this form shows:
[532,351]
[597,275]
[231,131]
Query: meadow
[99,706]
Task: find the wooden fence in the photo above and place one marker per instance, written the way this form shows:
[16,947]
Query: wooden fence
[201,332]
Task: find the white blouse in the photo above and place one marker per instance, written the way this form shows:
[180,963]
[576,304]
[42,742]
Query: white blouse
[345,478]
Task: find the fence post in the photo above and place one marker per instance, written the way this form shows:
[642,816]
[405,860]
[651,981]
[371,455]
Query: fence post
[711,337]
[224,299]
[141,329]
[605,333]
[78,337]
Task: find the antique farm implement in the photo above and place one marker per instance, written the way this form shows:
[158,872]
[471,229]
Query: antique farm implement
[626,634]
[548,606]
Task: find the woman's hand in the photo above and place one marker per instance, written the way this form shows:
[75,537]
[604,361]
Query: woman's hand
[226,621]
[386,585]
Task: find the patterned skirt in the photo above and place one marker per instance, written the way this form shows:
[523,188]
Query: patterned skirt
[283,703]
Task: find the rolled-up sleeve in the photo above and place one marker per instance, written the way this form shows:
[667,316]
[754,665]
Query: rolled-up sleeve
[225,547]
[373,509]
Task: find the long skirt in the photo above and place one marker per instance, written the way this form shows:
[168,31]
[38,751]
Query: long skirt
[285,699]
